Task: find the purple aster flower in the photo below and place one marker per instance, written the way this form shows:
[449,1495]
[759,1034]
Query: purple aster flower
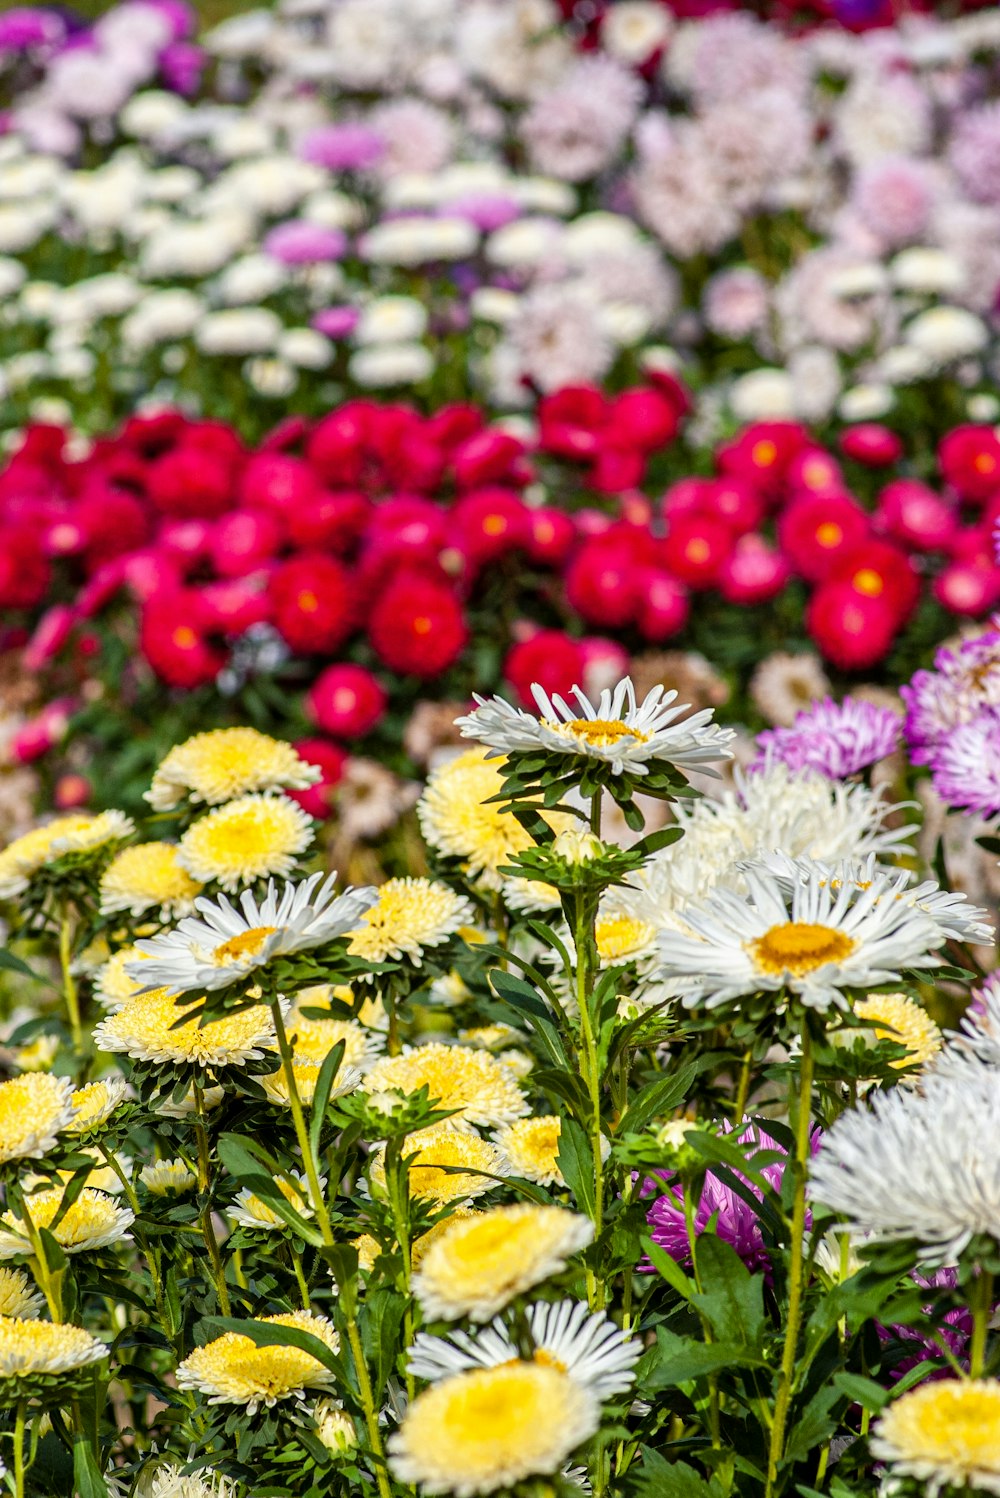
[336,322]
[965,764]
[27,27]
[181,65]
[962,683]
[837,739]
[736,1223]
[299,242]
[342,148]
[954,1329]
[487,210]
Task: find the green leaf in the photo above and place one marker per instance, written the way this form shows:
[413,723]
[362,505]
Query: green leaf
[276,1336]
[734,1307]
[682,1360]
[669,1269]
[380,1320]
[253,1168]
[863,1391]
[814,1426]
[88,1480]
[576,1162]
[15,964]
[658,1478]
[654,841]
[321,1098]
[659,1097]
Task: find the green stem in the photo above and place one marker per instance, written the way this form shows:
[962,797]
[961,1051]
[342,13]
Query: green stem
[392,1044]
[584,939]
[743,1088]
[982,1307]
[397,1186]
[595,813]
[803,1120]
[204,1184]
[368,1405]
[301,1131]
[151,1253]
[70,991]
[706,1325]
[302,1282]
[19,1424]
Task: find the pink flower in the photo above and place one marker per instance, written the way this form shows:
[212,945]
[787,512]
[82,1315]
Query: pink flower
[299,242]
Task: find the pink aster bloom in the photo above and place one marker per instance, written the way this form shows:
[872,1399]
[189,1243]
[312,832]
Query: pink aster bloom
[963,682]
[350,147]
[299,242]
[837,739]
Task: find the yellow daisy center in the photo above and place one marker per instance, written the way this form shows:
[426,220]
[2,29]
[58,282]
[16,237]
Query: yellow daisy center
[599,733]
[953,1425]
[621,936]
[246,944]
[799,947]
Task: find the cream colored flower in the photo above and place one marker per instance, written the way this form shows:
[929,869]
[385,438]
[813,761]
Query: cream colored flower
[113,983]
[409,916]
[34,1110]
[899,1018]
[23,858]
[532,1147]
[446,1166]
[306,1074]
[146,1029]
[95,1220]
[232,1369]
[18,1296]
[148,876]
[313,1039]
[944,1433]
[253,837]
[95,1103]
[42,1347]
[164,1177]
[225,763]
[251,1211]
[473,1084]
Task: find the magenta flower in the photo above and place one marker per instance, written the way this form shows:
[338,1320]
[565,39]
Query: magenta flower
[336,322]
[299,242]
[962,683]
[965,764]
[837,739]
[342,148]
[27,27]
[487,210]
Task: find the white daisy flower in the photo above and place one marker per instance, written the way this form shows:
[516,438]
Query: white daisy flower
[223,943]
[919,1166]
[590,1348]
[809,937]
[625,734]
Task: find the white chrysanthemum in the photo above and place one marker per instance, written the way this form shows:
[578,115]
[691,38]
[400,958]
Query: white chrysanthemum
[151,1027]
[478,1264]
[488,1429]
[34,1347]
[147,876]
[94,1104]
[234,1370]
[171,1482]
[34,1110]
[979,1028]
[809,938]
[946,1434]
[409,915]
[164,1177]
[618,730]
[306,1073]
[475,1085]
[18,1296]
[918,1165]
[77,833]
[223,942]
[566,1335]
[253,837]
[95,1220]
[225,763]
[251,1211]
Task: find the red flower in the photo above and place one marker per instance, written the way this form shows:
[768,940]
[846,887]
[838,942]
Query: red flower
[913,514]
[346,700]
[969,458]
[172,639]
[602,580]
[485,458]
[754,572]
[852,629]
[416,626]
[232,606]
[317,800]
[571,421]
[872,443]
[642,418]
[879,570]
[331,520]
[696,548]
[735,502]
[334,448]
[816,470]
[664,605]
[817,530]
[50,635]
[275,481]
[185,540]
[314,603]
[24,570]
[763,453]
[617,468]
[189,481]
[549,658]
[112,521]
[549,537]
[969,589]
[242,540]
[490,522]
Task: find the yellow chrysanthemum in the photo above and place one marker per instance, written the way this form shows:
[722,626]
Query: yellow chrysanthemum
[224,763]
[622,938]
[251,838]
[314,1039]
[490,1037]
[368,1249]
[146,1028]
[112,984]
[476,1267]
[901,1019]
[447,1166]
[251,1211]
[492,1427]
[410,914]
[165,1177]
[946,1434]
[458,1213]
[475,1085]
[34,1111]
[35,1347]
[148,877]
[22,858]
[234,1370]
[306,1074]
[459,819]
[94,1220]
[18,1296]
[95,1103]
[37,1055]
[532,1146]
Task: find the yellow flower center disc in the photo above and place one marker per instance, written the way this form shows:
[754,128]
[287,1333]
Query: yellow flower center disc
[799,947]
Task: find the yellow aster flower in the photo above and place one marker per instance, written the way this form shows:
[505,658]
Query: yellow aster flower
[234,1370]
[902,1020]
[77,833]
[492,1427]
[458,819]
[409,915]
[145,877]
[164,1177]
[446,1166]
[475,1268]
[18,1296]
[314,1039]
[458,1213]
[224,763]
[95,1103]
[42,1347]
[306,1074]
[113,984]
[532,1146]
[251,838]
[34,1110]
[478,1087]
[622,937]
[368,1249]
[945,1434]
[490,1037]
[94,1220]
[251,1211]
[146,1028]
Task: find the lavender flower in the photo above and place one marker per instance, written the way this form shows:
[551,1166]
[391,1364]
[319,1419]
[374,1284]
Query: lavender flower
[349,147]
[837,739]
[965,765]
[962,683]
[975,153]
[299,242]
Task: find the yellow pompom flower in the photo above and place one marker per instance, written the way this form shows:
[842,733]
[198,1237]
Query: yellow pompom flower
[146,1028]
[492,1427]
[165,1177]
[250,838]
[622,937]
[409,915]
[145,877]
[251,1211]
[902,1020]
[227,762]
[314,1039]
[459,1213]
[532,1148]
[95,1220]
[23,858]
[476,1267]
[306,1074]
[95,1103]
[945,1434]
[34,1110]
[446,1166]
[475,1085]
[33,1349]
[113,984]
[18,1296]
[234,1370]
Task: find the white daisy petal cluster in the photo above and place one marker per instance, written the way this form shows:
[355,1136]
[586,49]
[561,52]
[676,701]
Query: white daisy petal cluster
[810,938]
[223,942]
[629,735]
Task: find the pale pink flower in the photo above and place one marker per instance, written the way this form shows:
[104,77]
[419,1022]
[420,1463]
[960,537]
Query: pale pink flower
[735,302]
[417,137]
[975,153]
[737,55]
[558,339]
[893,197]
[575,130]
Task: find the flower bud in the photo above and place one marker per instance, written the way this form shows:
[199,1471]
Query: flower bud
[577,846]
